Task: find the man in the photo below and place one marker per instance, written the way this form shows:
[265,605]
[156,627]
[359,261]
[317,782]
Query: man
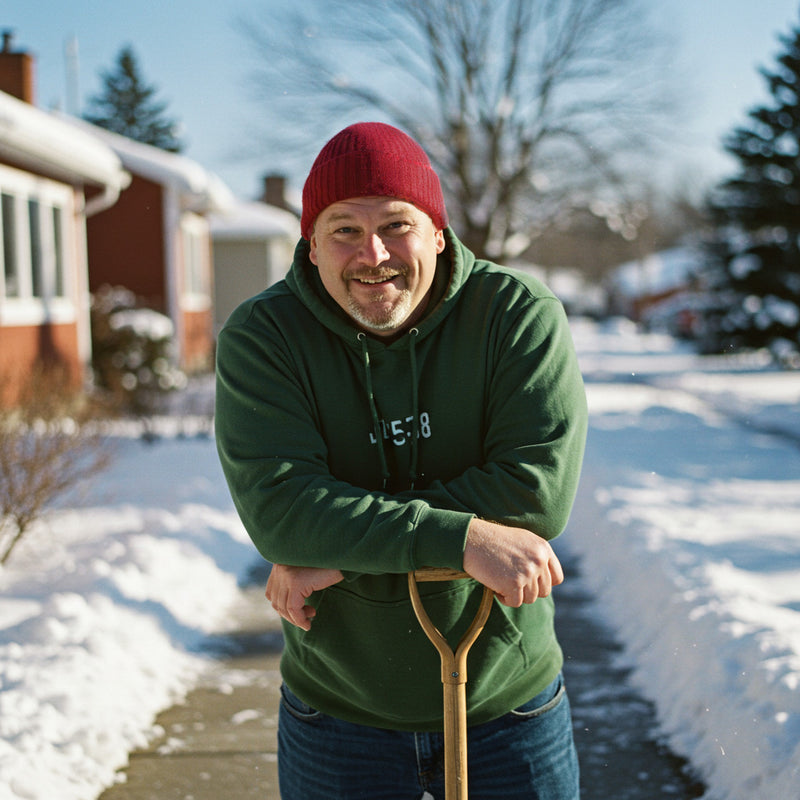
[396,403]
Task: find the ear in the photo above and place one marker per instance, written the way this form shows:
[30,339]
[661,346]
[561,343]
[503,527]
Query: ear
[312,250]
[440,243]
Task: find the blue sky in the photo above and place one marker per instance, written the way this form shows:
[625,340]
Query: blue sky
[193,53]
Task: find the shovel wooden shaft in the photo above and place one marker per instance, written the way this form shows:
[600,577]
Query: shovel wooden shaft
[455,741]
[454,677]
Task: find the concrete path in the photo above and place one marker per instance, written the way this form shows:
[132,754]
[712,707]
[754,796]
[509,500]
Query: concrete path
[221,743]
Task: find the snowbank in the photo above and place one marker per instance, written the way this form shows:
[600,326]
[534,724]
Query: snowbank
[689,531]
[102,610]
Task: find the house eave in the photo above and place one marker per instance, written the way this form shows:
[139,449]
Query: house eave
[40,142]
[197,189]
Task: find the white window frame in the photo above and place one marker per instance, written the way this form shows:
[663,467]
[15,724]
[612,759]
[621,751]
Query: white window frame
[195,249]
[50,304]
[196,264]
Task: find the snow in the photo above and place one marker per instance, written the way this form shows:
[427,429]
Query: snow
[144,322]
[254,220]
[689,533]
[103,609]
[687,529]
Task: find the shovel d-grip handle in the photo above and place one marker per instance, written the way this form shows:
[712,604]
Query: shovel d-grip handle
[454,675]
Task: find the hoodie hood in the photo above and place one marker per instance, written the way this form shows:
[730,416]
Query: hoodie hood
[454,265]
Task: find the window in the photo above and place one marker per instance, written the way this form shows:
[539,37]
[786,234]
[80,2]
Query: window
[9,234]
[59,286]
[34,281]
[35,231]
[196,294]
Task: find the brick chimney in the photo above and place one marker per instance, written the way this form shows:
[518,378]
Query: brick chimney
[275,191]
[16,71]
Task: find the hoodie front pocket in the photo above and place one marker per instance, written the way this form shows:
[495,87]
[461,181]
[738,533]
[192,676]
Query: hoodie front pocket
[372,658]
[375,656]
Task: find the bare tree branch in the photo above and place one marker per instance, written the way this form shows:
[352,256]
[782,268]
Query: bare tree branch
[48,447]
[523,105]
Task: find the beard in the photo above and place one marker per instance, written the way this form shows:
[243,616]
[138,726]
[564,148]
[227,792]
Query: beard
[381,318]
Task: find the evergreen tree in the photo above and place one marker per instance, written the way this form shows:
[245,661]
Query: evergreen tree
[127,105]
[755,274]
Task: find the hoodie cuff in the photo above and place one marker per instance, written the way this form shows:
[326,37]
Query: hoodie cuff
[440,537]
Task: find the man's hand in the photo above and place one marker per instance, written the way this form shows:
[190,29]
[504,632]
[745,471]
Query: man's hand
[288,588]
[517,564]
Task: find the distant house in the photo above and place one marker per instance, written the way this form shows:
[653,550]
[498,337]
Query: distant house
[659,289]
[253,248]
[156,241]
[53,178]
[579,296]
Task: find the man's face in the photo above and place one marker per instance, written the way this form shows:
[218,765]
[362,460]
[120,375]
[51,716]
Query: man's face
[376,258]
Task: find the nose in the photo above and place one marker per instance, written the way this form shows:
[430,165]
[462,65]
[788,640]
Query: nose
[373,251]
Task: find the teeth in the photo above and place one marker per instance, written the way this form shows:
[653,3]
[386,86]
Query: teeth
[376,280]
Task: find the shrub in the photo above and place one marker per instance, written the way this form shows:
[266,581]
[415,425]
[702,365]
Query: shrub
[132,353]
[48,446]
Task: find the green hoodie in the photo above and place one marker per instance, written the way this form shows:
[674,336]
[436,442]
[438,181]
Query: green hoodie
[343,451]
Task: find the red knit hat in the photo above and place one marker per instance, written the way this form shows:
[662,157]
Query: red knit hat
[372,159]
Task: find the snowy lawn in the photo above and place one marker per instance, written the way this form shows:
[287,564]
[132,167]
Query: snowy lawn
[688,527]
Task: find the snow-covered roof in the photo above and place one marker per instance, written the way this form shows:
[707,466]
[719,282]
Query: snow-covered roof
[39,140]
[253,220]
[200,190]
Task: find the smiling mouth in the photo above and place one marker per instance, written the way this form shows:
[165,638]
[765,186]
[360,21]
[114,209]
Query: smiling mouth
[376,280]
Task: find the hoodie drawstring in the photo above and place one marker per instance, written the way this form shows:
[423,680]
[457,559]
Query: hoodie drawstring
[412,354]
[376,424]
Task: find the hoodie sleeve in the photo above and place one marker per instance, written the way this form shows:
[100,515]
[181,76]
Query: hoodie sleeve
[535,423]
[275,461]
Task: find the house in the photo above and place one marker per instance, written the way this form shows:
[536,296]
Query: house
[659,290]
[53,179]
[253,245]
[156,241]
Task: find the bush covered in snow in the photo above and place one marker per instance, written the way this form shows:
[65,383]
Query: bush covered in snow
[132,353]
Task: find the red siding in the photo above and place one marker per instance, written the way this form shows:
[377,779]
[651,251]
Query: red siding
[126,244]
[198,340]
[23,347]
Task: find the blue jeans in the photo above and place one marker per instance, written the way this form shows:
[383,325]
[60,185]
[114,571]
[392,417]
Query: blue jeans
[528,753]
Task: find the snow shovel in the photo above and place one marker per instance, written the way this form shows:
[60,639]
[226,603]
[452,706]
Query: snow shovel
[454,676]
